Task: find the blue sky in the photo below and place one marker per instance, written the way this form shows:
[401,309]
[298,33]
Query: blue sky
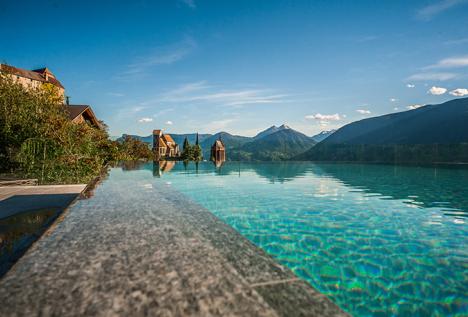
[242,66]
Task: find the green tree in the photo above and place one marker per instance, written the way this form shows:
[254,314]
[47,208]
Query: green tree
[187,152]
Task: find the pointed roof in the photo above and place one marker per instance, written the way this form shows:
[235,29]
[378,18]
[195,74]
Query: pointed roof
[168,138]
[74,111]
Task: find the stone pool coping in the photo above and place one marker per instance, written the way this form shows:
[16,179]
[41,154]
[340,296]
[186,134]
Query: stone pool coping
[175,259]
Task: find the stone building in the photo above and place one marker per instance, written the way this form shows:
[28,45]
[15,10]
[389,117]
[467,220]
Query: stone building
[32,79]
[218,151]
[164,146]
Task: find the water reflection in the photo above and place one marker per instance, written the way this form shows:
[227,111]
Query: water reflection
[19,231]
[445,187]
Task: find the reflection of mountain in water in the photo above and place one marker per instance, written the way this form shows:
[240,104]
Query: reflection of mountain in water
[443,187]
[430,186]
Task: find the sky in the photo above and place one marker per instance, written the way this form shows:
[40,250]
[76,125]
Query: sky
[242,66]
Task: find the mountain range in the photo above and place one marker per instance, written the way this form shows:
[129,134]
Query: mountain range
[432,133]
[274,143]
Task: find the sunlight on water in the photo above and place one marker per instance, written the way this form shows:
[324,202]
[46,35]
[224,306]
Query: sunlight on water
[378,240]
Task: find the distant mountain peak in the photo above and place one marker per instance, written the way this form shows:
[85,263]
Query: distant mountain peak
[272,130]
[323,135]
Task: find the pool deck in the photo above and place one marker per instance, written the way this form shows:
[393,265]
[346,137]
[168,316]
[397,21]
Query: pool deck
[109,257]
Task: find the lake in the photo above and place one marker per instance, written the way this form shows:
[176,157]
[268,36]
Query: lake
[379,240]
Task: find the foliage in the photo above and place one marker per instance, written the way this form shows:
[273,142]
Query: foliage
[131,149]
[38,140]
[191,152]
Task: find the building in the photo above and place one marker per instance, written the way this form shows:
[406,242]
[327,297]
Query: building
[32,79]
[218,151]
[164,146]
[82,114]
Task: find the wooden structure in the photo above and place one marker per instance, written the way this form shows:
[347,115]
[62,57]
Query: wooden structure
[82,114]
[218,151]
[164,146]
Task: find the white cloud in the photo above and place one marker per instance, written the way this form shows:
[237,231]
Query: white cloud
[432,76]
[428,12]
[410,85]
[393,100]
[169,122]
[437,90]
[450,62]
[459,92]
[412,107]
[396,108]
[327,117]
[323,119]
[363,111]
[145,120]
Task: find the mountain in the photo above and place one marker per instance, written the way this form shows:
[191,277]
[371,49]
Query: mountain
[230,141]
[271,130]
[433,133]
[282,144]
[322,135]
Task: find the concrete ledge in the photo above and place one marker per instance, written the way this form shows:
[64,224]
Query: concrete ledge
[135,250]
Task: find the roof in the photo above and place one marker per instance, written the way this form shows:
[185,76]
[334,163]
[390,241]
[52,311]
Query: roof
[76,110]
[168,138]
[31,74]
[218,144]
[157,132]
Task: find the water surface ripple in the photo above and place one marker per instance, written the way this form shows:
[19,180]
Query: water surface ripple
[378,240]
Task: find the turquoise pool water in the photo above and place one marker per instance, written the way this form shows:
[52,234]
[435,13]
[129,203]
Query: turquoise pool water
[378,240]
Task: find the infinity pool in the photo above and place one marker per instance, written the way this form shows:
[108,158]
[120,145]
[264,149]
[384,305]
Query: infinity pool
[378,240]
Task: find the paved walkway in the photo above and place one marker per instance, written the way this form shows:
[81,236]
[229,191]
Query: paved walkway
[144,251]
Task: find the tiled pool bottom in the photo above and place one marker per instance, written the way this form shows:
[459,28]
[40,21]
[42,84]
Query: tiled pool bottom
[379,240]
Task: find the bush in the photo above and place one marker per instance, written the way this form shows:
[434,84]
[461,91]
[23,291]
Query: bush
[38,140]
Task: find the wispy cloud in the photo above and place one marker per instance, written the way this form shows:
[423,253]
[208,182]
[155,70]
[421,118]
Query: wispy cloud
[189,3]
[363,111]
[163,55]
[437,90]
[450,62]
[428,12]
[393,99]
[436,76]
[457,41]
[367,38]
[115,94]
[459,92]
[410,85]
[145,120]
[201,92]
[169,122]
